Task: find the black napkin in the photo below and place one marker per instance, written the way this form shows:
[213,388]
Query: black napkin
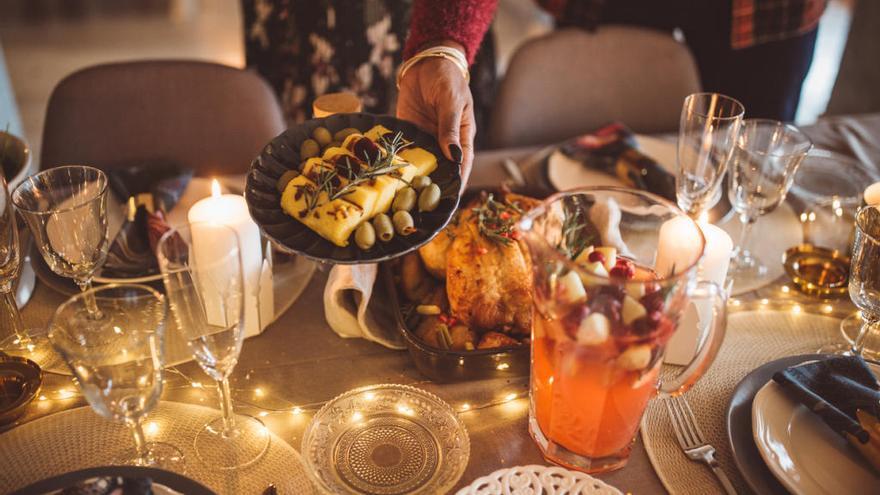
[612,149]
[149,190]
[835,388]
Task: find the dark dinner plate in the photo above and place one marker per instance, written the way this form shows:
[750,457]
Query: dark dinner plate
[171,480]
[282,154]
[739,425]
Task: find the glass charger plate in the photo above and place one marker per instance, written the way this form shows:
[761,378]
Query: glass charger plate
[386,439]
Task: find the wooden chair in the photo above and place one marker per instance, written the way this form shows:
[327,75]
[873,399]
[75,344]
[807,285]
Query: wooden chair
[572,81]
[211,118]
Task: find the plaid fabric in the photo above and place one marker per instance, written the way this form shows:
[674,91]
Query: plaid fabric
[760,21]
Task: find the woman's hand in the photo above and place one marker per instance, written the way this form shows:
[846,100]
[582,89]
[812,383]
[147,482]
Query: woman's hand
[435,96]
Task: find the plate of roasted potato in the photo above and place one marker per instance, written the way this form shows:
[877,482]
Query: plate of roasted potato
[352,188]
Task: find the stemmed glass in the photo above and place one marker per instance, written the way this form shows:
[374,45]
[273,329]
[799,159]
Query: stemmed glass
[765,159]
[15,339]
[707,134]
[118,359]
[66,210]
[864,285]
[202,270]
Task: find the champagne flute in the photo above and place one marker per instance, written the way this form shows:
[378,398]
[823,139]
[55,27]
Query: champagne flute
[707,134]
[66,210]
[202,270]
[765,160]
[118,360]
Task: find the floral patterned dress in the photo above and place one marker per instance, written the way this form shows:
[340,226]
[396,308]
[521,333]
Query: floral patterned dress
[305,48]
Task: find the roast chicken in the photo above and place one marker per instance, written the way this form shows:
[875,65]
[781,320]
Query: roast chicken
[487,271]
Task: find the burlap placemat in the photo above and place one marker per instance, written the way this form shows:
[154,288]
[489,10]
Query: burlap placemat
[753,339]
[79,438]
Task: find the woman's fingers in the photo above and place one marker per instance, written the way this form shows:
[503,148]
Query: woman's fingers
[449,124]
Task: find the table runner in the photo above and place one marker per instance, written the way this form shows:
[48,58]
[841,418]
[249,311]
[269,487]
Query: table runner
[753,339]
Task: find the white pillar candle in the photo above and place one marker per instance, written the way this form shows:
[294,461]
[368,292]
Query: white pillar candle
[230,210]
[678,246]
[713,268]
[872,194]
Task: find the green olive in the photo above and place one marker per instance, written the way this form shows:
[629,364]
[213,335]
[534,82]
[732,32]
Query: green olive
[285,178]
[420,182]
[308,149]
[344,133]
[322,136]
[429,198]
[365,236]
[403,223]
[383,227]
[405,199]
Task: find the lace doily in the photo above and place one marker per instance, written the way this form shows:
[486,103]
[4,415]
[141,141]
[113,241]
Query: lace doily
[538,480]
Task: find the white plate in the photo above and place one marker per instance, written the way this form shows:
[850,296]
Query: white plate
[564,173]
[538,480]
[807,456]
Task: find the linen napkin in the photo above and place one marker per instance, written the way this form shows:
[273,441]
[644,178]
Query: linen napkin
[352,312]
[613,149]
[835,388]
[149,190]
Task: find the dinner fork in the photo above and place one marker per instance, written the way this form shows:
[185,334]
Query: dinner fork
[691,439]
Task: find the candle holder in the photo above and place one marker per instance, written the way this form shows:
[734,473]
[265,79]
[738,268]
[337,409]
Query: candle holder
[817,271]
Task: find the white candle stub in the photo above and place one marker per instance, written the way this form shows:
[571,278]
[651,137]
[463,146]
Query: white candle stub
[230,210]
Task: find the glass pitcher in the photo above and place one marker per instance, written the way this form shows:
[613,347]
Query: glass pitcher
[613,270]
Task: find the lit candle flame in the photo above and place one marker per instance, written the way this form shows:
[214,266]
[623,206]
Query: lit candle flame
[215,188]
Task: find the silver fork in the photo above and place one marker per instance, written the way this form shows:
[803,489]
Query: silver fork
[691,439]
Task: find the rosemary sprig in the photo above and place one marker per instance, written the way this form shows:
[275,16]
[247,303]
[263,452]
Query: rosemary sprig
[574,240]
[328,179]
[496,220]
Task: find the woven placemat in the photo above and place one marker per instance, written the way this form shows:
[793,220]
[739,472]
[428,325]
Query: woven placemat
[79,438]
[753,339]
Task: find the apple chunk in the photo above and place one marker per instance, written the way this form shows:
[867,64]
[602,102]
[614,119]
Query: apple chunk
[632,310]
[594,329]
[610,255]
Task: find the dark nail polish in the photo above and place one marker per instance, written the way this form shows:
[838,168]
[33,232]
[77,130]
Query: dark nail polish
[455,152]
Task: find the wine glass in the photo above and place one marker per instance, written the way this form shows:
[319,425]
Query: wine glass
[66,210]
[707,134]
[864,286]
[765,159]
[15,338]
[117,359]
[202,270]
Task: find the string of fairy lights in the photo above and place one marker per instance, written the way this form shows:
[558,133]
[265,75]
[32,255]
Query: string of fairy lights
[256,399]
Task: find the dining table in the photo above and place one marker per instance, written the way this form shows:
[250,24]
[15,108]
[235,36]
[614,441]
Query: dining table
[298,363]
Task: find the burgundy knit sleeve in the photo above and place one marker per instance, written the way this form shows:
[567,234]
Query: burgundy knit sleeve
[462,21]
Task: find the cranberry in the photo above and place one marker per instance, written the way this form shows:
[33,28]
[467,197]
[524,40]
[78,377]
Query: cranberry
[608,305]
[596,256]
[572,321]
[643,326]
[613,290]
[623,271]
[654,302]
[366,148]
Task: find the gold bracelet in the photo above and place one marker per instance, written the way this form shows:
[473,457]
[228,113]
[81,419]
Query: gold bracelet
[452,54]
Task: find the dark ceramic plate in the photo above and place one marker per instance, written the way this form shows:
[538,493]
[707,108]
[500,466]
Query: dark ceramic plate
[282,154]
[174,481]
[739,425]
